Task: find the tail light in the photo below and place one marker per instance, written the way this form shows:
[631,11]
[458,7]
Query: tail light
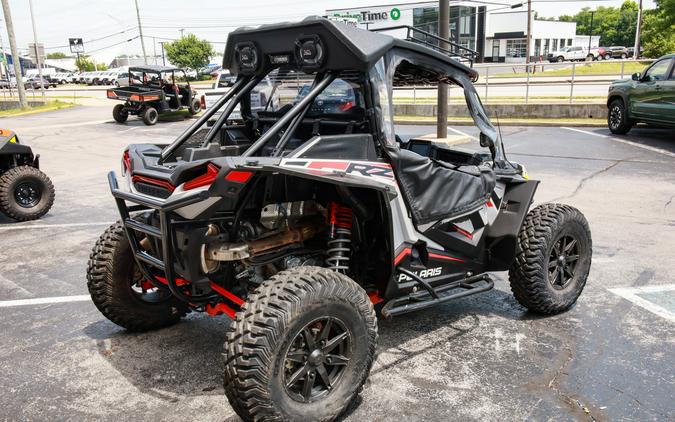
[111,94]
[126,163]
[203,180]
[202,102]
[238,176]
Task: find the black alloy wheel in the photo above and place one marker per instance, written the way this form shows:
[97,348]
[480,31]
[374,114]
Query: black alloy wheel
[316,359]
[562,262]
[27,194]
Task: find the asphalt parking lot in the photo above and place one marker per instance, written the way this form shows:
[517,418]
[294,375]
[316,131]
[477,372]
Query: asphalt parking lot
[479,358]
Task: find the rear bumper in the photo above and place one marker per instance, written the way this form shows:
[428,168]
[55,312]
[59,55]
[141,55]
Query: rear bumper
[137,230]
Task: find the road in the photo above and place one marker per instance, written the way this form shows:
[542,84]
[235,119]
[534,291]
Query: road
[478,358]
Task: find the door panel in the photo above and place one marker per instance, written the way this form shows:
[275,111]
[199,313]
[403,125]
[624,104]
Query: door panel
[648,96]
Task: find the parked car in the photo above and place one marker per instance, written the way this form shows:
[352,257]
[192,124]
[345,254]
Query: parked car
[259,95]
[631,52]
[51,79]
[108,78]
[618,52]
[572,53]
[35,82]
[8,83]
[646,97]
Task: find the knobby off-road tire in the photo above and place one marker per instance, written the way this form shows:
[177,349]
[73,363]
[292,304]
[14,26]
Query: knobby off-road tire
[265,346]
[26,193]
[617,118]
[120,114]
[195,107]
[111,273]
[553,258]
[150,116]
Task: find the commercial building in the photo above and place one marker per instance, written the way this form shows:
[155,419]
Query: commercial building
[496,31]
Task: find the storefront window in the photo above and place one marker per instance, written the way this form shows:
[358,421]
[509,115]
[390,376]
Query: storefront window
[562,42]
[546,46]
[426,19]
[537,47]
[554,47]
[516,48]
[569,41]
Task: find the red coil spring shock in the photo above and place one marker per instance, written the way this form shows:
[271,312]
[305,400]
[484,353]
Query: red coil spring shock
[339,244]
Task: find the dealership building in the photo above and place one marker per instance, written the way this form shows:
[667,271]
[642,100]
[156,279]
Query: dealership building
[496,31]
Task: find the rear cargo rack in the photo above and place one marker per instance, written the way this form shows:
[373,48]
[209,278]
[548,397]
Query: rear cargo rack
[454,51]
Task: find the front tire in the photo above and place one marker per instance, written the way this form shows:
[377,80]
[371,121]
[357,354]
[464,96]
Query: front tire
[617,118]
[301,347]
[26,193]
[150,116]
[561,59]
[195,107]
[553,259]
[118,290]
[120,114]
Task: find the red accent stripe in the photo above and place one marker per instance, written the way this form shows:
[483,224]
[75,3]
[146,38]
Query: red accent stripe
[402,255]
[151,181]
[238,176]
[331,165]
[225,293]
[375,298]
[447,258]
[179,281]
[220,308]
[464,232]
[490,204]
[203,180]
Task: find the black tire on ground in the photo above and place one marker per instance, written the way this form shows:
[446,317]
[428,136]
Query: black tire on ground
[590,58]
[150,116]
[195,107]
[561,59]
[120,114]
[113,281]
[26,193]
[553,259]
[599,58]
[618,121]
[274,358]
[607,56]
[624,55]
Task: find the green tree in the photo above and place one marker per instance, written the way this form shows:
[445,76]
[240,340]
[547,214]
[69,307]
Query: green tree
[658,29]
[189,52]
[614,25]
[56,55]
[84,64]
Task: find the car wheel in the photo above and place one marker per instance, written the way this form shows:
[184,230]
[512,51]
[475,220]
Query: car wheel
[553,259]
[617,118]
[624,55]
[589,58]
[117,84]
[119,290]
[607,57]
[301,348]
[26,193]
[599,58]
[561,59]
[120,114]
[150,116]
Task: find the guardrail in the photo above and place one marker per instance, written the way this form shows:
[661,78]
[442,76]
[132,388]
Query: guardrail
[559,79]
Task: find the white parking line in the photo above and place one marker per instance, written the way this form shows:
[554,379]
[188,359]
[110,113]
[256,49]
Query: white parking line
[66,125]
[459,132]
[51,226]
[623,141]
[43,301]
[631,294]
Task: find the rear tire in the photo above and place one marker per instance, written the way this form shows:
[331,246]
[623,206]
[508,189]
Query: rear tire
[617,118]
[26,193]
[279,333]
[195,107]
[561,59]
[112,279]
[553,259]
[150,116]
[120,114]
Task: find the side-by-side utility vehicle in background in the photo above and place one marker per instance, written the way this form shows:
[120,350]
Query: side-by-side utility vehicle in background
[26,193]
[306,220]
[154,90]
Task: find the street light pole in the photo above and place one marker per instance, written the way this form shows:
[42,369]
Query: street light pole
[37,52]
[638,28]
[529,36]
[442,106]
[15,54]
[140,32]
[163,60]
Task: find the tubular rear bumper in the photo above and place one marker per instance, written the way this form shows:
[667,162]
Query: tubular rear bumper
[163,233]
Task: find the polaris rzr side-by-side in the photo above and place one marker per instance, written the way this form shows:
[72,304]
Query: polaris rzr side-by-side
[152,91]
[26,193]
[306,219]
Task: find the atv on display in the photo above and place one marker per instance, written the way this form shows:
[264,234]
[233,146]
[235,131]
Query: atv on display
[26,193]
[154,90]
[299,221]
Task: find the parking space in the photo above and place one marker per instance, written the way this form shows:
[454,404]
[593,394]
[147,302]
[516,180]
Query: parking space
[479,358]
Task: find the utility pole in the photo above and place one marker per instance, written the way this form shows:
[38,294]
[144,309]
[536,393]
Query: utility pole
[181,32]
[15,54]
[590,35]
[529,36]
[37,51]
[442,106]
[140,33]
[162,44]
[638,28]
[154,50]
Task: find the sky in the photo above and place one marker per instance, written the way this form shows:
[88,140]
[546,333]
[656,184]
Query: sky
[107,25]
